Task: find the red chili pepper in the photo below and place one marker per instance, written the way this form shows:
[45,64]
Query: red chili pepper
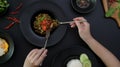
[14,12]
[9,26]
[17,9]
[19,6]
[14,19]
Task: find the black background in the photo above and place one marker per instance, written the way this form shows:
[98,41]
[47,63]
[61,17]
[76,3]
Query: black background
[105,30]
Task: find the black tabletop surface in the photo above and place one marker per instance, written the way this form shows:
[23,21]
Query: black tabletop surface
[105,30]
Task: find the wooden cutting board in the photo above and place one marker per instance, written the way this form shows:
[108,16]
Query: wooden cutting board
[115,15]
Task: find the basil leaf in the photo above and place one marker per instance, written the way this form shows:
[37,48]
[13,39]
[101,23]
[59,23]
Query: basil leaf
[110,12]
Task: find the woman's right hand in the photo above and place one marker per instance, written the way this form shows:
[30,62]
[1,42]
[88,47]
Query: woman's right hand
[83,27]
[35,57]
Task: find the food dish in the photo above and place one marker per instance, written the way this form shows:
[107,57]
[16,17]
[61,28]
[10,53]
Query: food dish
[83,3]
[44,22]
[34,9]
[110,7]
[61,59]
[10,51]
[74,63]
[4,46]
[83,6]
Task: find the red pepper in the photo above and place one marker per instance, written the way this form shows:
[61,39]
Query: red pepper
[13,19]
[14,12]
[45,24]
[44,28]
[17,9]
[9,26]
[19,6]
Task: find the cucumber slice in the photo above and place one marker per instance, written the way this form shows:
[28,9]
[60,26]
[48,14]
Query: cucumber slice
[83,57]
[87,63]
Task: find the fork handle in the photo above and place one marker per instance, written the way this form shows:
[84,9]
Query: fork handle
[72,21]
[66,22]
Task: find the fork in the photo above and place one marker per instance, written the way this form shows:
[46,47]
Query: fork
[47,37]
[71,22]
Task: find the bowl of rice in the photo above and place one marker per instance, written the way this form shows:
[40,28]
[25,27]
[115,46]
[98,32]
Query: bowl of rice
[3,47]
[6,47]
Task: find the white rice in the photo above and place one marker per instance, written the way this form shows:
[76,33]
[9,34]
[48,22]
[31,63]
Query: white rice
[74,63]
[1,52]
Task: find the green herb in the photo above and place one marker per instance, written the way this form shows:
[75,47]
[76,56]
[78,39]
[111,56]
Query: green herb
[3,5]
[110,12]
[42,18]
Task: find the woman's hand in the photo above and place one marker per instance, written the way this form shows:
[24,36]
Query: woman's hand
[35,57]
[109,59]
[83,27]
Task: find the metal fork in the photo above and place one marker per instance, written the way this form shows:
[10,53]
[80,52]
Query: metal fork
[47,37]
[71,22]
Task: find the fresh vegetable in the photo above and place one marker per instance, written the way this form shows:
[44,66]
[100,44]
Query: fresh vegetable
[16,11]
[9,26]
[3,5]
[84,59]
[87,63]
[14,20]
[110,12]
[112,9]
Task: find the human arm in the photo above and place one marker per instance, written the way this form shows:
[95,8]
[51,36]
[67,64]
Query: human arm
[35,57]
[104,54]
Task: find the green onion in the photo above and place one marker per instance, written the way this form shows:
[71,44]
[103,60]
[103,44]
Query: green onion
[42,18]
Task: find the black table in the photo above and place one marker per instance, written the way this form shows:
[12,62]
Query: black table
[105,30]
